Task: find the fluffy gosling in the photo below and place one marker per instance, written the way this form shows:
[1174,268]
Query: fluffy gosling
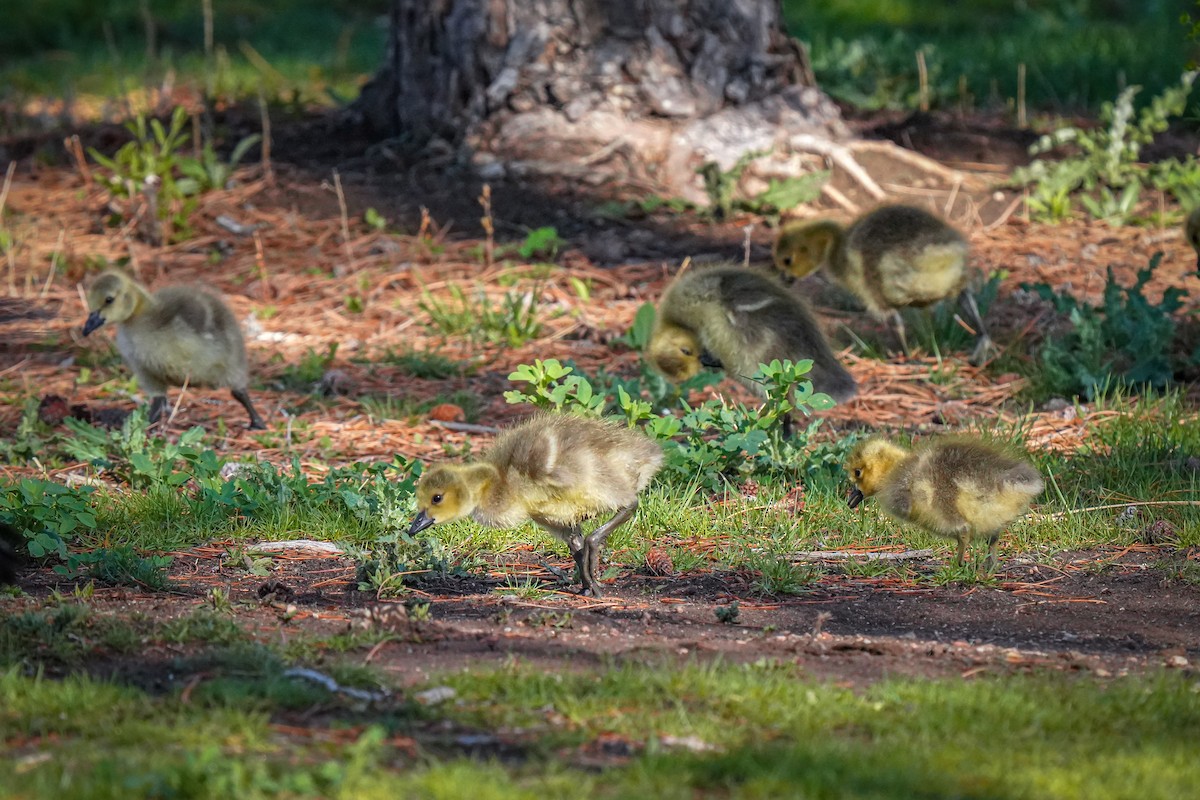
[890,258]
[556,470]
[1191,229]
[954,486]
[732,318]
[178,334]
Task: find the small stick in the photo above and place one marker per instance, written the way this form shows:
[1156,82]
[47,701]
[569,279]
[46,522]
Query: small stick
[953,196]
[749,229]
[463,427]
[489,227]
[337,185]
[1021,119]
[839,198]
[8,176]
[178,401]
[1070,511]
[1008,212]
[54,256]
[260,260]
[843,555]
[265,115]
[841,156]
[73,146]
[923,78]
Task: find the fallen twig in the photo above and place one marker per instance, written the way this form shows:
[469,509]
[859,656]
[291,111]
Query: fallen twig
[850,555]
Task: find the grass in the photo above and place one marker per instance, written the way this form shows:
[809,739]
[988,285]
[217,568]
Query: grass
[1077,55]
[291,52]
[756,731]
[100,56]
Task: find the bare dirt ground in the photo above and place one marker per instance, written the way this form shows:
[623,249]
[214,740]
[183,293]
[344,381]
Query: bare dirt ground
[1107,610]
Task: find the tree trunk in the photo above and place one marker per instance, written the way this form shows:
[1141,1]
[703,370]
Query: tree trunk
[643,91]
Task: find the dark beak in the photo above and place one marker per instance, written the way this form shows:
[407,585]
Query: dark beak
[856,497]
[707,360]
[420,523]
[94,320]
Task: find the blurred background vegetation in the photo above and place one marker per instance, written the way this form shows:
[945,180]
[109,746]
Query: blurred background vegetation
[1077,53]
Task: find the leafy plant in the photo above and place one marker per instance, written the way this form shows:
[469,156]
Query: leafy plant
[711,443]
[1105,166]
[728,613]
[374,220]
[638,335]
[118,566]
[133,455]
[208,172]
[513,323]
[313,365]
[541,242]
[47,513]
[780,195]
[555,388]
[1126,341]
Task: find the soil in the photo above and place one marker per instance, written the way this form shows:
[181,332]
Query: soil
[1106,611]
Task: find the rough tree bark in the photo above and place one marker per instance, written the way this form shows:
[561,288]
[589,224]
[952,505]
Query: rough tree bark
[634,90]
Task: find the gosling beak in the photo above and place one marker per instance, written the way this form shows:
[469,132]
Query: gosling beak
[420,523]
[94,320]
[708,360]
[856,497]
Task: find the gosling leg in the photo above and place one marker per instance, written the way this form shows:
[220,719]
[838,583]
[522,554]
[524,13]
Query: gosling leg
[962,550]
[573,538]
[898,324]
[990,563]
[594,541]
[243,397]
[983,343]
[157,404]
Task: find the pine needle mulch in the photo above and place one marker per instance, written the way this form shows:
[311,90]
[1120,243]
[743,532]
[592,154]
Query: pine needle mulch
[305,280]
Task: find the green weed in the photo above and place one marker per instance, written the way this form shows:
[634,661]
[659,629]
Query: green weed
[1127,341]
[1105,170]
[513,323]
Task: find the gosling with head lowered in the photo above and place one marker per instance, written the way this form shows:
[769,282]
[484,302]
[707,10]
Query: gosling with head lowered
[556,470]
[955,486]
[733,318]
[177,335]
[890,258]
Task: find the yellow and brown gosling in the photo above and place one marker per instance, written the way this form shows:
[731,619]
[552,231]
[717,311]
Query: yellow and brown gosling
[731,318]
[954,486]
[177,335]
[556,470]
[890,258]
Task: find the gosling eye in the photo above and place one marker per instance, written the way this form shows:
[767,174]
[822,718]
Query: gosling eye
[108,300]
[687,351]
[436,499]
[787,261]
[858,473]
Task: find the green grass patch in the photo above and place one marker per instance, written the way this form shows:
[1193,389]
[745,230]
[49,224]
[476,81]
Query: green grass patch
[752,731]
[294,53]
[1077,55]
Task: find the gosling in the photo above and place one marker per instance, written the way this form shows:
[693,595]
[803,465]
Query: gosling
[177,335]
[734,319]
[890,258]
[556,470]
[1191,229]
[954,486]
